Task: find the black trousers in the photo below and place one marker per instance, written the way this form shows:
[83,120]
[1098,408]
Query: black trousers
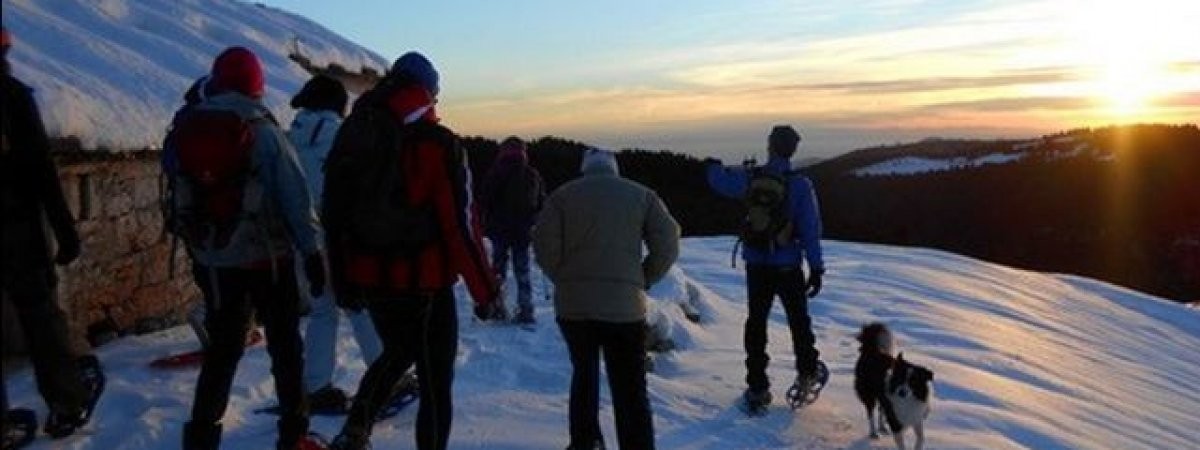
[623,346]
[763,284]
[232,296]
[31,291]
[420,329]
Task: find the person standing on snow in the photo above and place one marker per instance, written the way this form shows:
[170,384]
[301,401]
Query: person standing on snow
[242,206]
[782,231]
[32,196]
[589,240]
[401,227]
[321,104]
[511,197]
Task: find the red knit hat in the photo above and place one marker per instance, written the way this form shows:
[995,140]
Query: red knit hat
[238,69]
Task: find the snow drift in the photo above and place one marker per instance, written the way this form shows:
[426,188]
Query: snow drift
[1022,360]
[111,72]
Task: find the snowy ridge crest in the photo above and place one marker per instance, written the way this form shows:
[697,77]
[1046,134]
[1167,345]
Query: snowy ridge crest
[111,72]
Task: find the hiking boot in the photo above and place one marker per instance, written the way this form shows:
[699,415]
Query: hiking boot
[329,398]
[64,423]
[524,316]
[757,399]
[198,436]
[598,444]
[20,427]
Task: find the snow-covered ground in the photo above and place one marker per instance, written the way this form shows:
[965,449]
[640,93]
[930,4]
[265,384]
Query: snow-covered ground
[914,165]
[1022,360]
[111,72]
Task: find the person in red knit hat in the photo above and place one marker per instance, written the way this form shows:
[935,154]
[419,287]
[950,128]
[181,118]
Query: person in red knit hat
[241,205]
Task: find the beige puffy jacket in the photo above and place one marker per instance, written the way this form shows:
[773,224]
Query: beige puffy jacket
[589,237]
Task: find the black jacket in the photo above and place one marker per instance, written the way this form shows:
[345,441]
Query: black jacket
[29,186]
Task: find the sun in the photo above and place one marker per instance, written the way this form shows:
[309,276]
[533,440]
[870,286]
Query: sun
[1129,48]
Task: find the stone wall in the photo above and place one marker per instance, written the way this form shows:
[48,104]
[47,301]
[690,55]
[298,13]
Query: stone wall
[121,282]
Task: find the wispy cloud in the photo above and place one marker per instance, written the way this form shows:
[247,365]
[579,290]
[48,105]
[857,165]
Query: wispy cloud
[1013,67]
[933,83]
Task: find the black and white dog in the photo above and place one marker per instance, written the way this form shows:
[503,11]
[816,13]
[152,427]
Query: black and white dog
[901,390]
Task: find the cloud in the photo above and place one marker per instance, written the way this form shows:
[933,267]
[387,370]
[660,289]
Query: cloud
[1181,100]
[910,85]
[1009,104]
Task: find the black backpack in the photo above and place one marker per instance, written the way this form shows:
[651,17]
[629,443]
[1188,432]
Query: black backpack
[366,203]
[520,193]
[768,223]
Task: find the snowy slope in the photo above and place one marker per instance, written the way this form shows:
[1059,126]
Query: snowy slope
[915,165]
[1022,360]
[112,71]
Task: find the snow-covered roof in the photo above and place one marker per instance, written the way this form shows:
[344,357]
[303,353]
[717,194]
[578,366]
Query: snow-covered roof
[111,72]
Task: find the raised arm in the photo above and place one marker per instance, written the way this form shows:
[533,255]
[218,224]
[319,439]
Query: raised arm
[727,182]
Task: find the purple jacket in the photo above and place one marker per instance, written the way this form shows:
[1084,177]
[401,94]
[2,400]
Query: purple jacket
[503,221]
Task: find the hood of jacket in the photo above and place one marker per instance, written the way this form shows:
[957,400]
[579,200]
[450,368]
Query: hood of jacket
[599,162]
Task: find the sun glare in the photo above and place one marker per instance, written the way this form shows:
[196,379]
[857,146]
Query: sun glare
[1129,48]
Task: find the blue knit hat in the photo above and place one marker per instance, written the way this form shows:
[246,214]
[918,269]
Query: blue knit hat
[417,67]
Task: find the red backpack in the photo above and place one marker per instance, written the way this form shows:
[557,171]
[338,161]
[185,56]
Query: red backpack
[212,153]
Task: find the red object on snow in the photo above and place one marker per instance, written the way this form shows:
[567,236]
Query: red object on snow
[196,357]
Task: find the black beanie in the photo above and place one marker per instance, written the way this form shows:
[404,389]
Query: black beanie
[322,92]
[783,141]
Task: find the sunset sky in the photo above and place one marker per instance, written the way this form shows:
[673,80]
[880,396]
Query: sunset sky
[710,77]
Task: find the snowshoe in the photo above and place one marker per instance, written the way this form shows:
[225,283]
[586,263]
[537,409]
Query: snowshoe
[807,388]
[195,358]
[329,400]
[754,403]
[20,427]
[61,424]
[406,392]
[312,441]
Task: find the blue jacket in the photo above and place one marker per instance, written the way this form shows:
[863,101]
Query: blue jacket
[806,243]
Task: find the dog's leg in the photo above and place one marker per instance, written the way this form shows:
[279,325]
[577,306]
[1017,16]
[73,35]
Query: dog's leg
[919,429]
[871,421]
[883,420]
[898,436]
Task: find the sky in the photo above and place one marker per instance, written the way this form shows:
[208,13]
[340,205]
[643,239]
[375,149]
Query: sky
[710,77]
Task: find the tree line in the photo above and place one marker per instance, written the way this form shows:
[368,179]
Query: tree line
[1117,203]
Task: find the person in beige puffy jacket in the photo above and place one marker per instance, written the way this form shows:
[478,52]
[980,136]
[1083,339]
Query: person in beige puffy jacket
[589,241]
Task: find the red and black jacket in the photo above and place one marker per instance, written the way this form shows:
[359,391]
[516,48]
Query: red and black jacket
[435,172]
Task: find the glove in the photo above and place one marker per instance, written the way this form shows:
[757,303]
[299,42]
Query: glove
[314,271]
[68,250]
[814,283]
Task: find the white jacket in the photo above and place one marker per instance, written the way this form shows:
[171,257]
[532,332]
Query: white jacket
[312,133]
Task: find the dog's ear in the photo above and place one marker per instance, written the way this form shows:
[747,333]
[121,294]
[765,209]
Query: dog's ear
[900,357]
